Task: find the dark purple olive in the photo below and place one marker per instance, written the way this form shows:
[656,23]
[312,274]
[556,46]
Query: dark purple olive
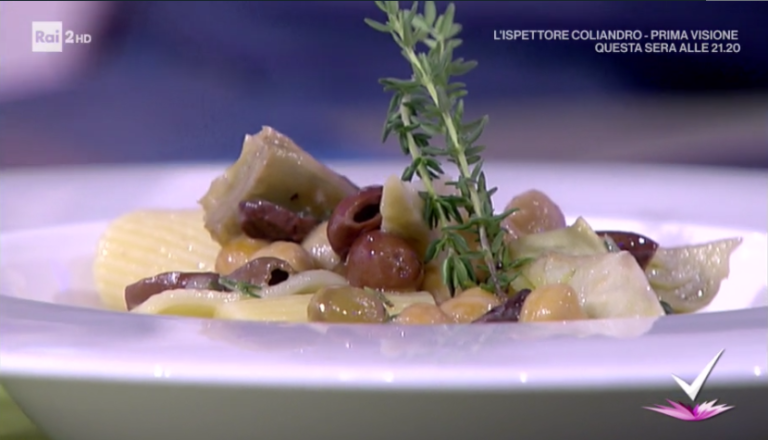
[509,311]
[385,262]
[264,271]
[641,247]
[354,216]
[142,290]
[263,220]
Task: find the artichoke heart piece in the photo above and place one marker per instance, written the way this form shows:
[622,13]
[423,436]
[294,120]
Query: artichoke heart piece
[609,285]
[577,239]
[402,213]
[689,277]
[273,168]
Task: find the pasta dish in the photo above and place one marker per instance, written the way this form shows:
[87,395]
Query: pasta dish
[282,237]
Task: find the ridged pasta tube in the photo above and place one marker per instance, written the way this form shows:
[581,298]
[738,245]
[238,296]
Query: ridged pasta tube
[145,243]
[304,282]
[187,302]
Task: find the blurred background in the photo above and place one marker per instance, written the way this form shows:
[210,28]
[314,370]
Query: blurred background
[184,81]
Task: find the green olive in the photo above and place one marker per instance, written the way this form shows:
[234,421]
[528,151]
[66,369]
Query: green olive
[346,305]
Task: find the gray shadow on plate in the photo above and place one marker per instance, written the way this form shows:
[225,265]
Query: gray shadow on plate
[393,342]
[79,298]
[446,343]
[761,300]
[27,323]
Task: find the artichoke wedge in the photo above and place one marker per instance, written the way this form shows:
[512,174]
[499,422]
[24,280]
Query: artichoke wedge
[273,168]
[577,239]
[402,214]
[688,278]
[609,285]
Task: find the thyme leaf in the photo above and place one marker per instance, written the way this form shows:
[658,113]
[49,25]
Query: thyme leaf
[247,289]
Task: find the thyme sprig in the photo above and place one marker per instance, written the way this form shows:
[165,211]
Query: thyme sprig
[426,107]
[243,287]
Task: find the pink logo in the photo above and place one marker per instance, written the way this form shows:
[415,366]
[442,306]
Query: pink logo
[681,411]
[693,413]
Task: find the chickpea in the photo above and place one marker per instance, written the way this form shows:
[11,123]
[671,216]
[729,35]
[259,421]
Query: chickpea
[292,253]
[552,302]
[385,262]
[422,314]
[433,283]
[353,216]
[237,252]
[478,292]
[346,304]
[470,305]
[536,213]
[319,248]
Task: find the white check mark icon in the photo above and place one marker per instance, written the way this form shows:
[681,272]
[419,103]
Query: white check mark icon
[693,389]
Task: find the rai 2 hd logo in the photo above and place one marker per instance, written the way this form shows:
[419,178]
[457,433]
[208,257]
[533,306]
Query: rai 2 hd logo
[50,36]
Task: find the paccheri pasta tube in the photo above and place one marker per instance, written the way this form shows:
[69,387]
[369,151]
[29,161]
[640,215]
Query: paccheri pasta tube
[187,302]
[144,243]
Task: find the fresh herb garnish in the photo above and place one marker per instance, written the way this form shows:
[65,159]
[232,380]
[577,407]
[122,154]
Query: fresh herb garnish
[429,106]
[383,298]
[240,286]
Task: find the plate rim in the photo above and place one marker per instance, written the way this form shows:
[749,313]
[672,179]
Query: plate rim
[17,362]
[749,182]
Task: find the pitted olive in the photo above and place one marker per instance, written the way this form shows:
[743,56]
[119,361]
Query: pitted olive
[384,262]
[346,304]
[353,216]
[264,271]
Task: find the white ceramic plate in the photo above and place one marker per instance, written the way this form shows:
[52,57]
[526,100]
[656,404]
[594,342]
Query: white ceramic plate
[82,373]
